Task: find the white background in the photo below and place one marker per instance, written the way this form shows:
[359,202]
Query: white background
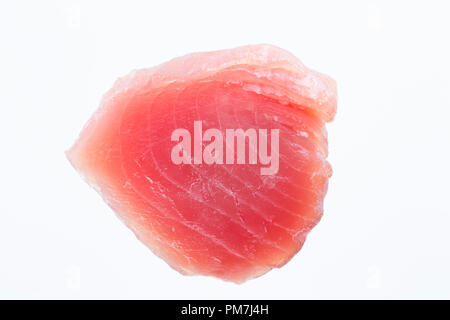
[386,228]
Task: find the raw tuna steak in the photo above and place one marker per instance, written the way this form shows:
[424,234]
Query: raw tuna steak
[215,160]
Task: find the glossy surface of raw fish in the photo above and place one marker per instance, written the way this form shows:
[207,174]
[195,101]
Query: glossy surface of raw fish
[223,220]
